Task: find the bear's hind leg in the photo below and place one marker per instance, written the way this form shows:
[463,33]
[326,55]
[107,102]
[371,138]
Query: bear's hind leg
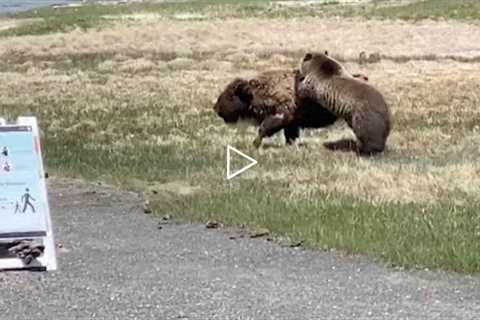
[370,130]
[369,148]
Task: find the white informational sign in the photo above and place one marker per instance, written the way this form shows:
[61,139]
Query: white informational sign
[24,210]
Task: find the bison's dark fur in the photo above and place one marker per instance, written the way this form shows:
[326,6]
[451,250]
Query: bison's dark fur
[269,101]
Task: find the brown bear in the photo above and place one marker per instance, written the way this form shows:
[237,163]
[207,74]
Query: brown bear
[363,107]
[269,100]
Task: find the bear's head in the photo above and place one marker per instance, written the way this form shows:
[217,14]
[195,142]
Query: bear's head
[320,65]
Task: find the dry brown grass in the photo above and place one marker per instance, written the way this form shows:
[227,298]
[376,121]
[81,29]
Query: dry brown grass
[345,36]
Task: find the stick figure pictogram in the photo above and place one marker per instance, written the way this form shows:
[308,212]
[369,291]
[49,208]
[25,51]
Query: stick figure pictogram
[26,201]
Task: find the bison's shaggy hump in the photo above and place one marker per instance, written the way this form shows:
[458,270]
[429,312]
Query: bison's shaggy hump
[269,100]
[273,92]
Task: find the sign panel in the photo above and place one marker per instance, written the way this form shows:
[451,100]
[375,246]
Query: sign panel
[22,202]
[24,210]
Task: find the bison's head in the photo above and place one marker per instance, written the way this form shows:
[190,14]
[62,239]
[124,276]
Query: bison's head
[234,101]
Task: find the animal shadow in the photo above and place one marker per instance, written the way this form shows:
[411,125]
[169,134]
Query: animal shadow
[344,145]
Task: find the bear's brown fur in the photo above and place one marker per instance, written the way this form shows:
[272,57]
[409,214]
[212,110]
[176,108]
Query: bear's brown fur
[269,100]
[363,107]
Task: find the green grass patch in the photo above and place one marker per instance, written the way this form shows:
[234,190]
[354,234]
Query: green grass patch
[426,9]
[55,20]
[130,143]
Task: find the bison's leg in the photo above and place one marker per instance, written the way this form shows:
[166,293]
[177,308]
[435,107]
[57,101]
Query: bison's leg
[292,132]
[270,126]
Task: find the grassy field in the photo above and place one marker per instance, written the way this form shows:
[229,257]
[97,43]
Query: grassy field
[127,97]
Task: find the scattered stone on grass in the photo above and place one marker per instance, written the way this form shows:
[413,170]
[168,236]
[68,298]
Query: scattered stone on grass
[296,244]
[259,232]
[146,207]
[165,219]
[212,224]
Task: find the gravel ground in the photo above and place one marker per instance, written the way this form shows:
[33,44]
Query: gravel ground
[116,264]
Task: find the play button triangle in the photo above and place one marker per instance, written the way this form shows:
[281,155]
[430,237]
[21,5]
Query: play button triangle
[232,151]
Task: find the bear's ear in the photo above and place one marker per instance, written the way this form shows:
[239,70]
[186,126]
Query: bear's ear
[244,91]
[329,67]
[308,57]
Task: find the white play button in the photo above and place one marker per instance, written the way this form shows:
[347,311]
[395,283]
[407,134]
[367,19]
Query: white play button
[231,175]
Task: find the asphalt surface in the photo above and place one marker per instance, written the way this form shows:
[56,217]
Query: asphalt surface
[116,264]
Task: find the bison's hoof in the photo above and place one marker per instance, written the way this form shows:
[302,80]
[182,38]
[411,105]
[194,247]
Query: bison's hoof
[257,142]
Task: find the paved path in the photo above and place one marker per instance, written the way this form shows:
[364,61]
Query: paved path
[116,264]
